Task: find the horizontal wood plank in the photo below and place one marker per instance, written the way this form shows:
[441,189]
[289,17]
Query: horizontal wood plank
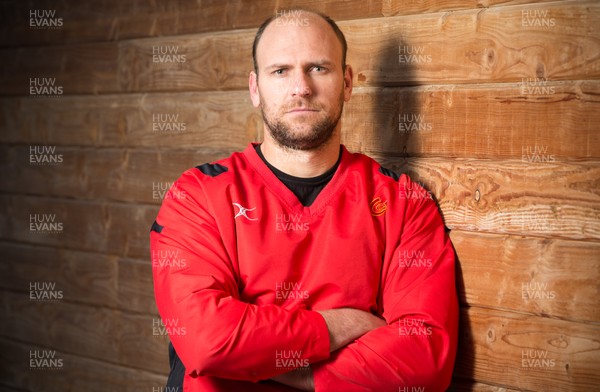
[52,72]
[551,278]
[122,338]
[484,121]
[60,325]
[83,277]
[217,61]
[511,197]
[409,7]
[110,228]
[79,276]
[498,121]
[103,174]
[457,48]
[471,46]
[78,373]
[459,385]
[4,388]
[554,41]
[114,20]
[217,120]
[527,352]
[136,286]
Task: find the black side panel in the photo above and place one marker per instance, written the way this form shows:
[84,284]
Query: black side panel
[212,170]
[175,380]
[156,227]
[389,173]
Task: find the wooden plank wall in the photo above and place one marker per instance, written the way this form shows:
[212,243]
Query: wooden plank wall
[492,105]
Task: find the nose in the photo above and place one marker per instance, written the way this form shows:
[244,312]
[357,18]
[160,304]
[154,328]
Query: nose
[301,86]
[301,91]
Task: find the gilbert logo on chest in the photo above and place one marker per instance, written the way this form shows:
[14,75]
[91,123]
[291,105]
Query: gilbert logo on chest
[244,213]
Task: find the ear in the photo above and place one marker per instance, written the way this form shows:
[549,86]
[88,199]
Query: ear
[253,86]
[348,83]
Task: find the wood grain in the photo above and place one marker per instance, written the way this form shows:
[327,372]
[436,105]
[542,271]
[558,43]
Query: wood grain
[497,121]
[216,120]
[502,348]
[551,200]
[78,69]
[112,228]
[114,20]
[550,278]
[124,338]
[463,47]
[481,121]
[408,7]
[472,46]
[81,276]
[79,373]
[136,175]
[459,385]
[478,46]
[136,286]
[204,62]
[9,389]
[63,326]
[88,278]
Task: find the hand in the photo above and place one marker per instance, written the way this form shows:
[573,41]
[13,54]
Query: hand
[347,324]
[301,378]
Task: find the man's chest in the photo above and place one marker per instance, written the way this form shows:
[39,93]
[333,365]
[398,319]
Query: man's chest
[317,262]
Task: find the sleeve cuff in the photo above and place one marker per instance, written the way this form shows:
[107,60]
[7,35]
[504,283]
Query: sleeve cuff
[320,345]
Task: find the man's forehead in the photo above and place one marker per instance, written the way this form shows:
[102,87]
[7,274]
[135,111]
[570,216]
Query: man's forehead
[293,29]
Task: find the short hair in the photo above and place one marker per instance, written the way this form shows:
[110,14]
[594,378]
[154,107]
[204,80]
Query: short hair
[334,26]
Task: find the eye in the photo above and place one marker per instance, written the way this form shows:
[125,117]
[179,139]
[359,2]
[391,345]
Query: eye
[319,69]
[279,71]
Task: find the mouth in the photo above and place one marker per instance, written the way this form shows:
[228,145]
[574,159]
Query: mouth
[301,110]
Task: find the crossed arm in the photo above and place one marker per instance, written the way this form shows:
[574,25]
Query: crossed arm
[344,325]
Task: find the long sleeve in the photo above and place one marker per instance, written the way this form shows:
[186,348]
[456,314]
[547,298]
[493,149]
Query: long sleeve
[418,346]
[196,282]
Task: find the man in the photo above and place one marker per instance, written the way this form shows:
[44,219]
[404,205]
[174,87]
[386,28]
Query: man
[305,266]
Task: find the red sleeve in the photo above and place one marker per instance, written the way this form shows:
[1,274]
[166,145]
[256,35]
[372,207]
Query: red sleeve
[196,290]
[418,346]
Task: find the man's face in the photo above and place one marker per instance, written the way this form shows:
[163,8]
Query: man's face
[301,85]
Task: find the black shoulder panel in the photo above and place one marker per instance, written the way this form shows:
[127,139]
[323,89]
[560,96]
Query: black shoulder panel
[389,173]
[175,380]
[212,169]
[156,227]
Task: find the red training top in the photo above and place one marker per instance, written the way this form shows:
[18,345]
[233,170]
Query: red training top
[241,266]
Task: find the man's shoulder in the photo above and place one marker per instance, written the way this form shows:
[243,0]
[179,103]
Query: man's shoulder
[214,173]
[379,173]
[382,177]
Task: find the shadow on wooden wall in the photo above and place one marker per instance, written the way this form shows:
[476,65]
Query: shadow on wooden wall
[394,130]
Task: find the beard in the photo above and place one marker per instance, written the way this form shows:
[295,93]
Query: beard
[302,136]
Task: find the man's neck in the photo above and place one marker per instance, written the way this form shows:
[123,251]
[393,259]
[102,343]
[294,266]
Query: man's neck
[297,163]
